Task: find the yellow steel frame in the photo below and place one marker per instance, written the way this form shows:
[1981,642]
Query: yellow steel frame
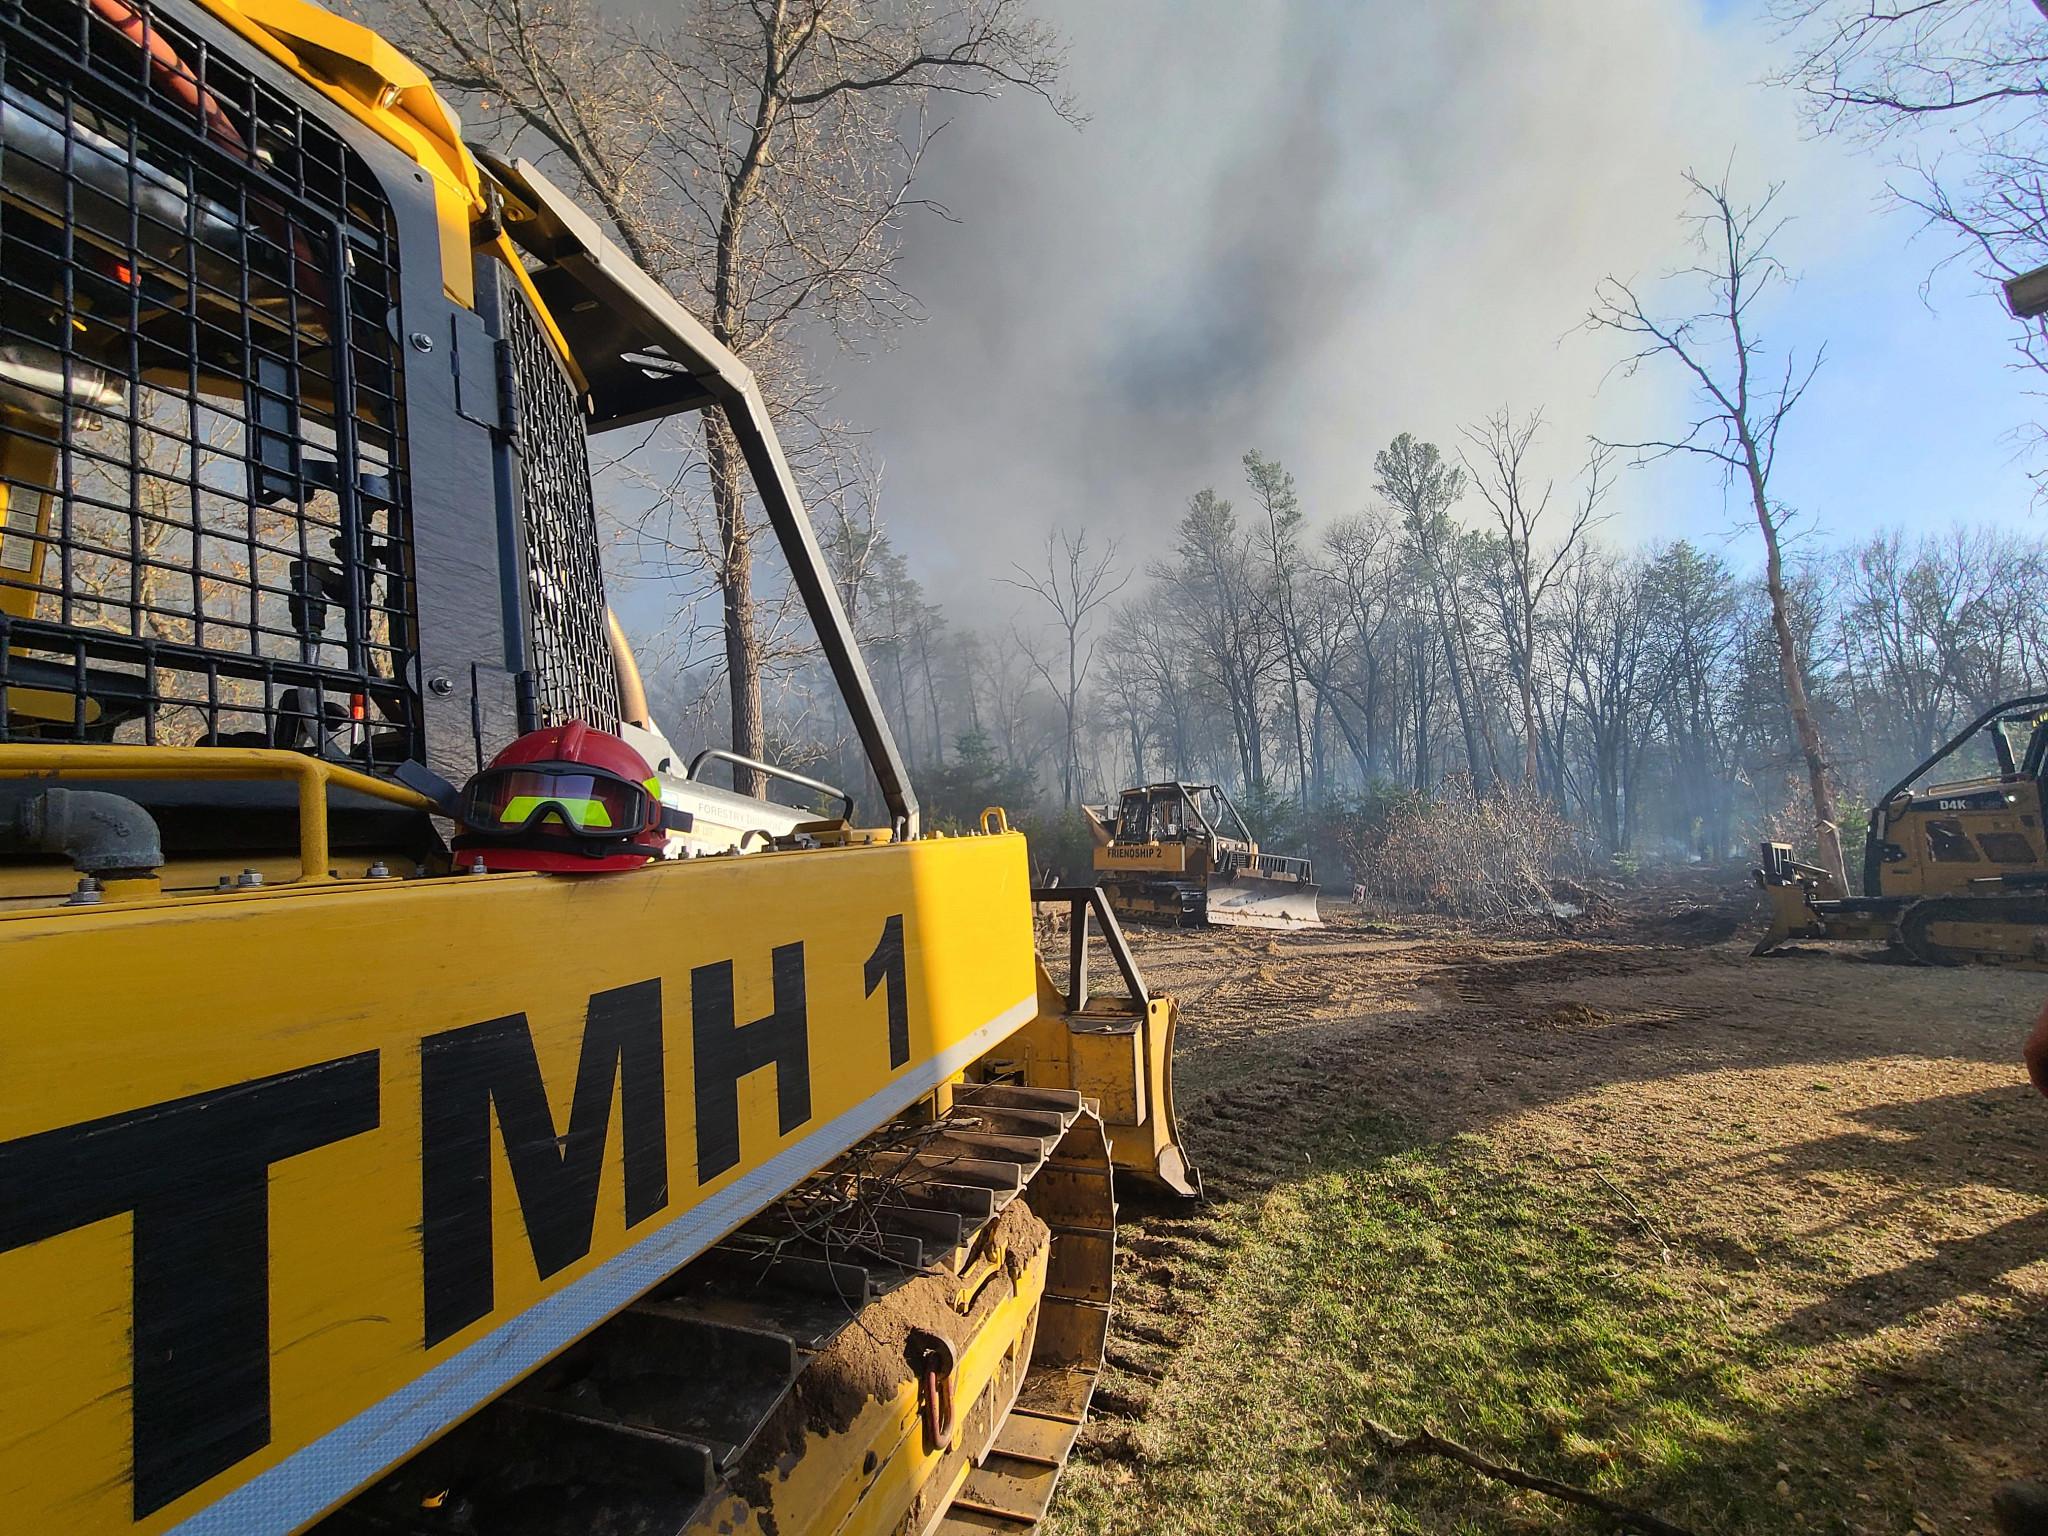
[1147,858]
[311,775]
[796,999]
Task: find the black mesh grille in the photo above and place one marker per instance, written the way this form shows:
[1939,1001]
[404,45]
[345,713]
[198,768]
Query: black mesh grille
[203,537]
[571,655]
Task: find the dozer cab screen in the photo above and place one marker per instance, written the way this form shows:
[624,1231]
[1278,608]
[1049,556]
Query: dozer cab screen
[206,536]
[1149,818]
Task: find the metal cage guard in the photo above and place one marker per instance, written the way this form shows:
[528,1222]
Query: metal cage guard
[642,357]
[204,530]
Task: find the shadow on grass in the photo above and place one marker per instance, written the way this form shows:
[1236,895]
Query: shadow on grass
[1624,1378]
[1513,1304]
[1418,1275]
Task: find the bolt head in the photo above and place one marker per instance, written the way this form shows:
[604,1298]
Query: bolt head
[421,341]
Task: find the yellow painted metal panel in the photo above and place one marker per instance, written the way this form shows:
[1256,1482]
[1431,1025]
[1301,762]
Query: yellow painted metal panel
[403,1083]
[1169,858]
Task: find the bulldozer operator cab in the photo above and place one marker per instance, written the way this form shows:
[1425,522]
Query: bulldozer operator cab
[1173,813]
[294,407]
[1988,817]
[1155,815]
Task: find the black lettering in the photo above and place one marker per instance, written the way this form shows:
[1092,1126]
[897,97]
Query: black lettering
[724,1055]
[463,1074]
[886,965]
[196,1174]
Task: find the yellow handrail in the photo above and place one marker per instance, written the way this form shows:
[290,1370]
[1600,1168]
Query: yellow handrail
[314,777]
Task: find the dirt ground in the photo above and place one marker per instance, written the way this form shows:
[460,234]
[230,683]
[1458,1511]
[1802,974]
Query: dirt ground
[1832,1150]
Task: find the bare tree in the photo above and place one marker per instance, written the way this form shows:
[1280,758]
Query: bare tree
[1228,638]
[1365,572]
[1151,678]
[1743,410]
[1506,483]
[759,158]
[1970,71]
[1073,585]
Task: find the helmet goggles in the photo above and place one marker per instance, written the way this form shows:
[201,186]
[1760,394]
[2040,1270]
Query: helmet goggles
[576,799]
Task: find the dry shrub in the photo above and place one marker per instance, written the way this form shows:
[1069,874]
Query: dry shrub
[1493,856]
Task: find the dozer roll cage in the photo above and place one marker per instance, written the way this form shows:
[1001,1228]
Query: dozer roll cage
[2033,763]
[646,357]
[1232,849]
[1191,796]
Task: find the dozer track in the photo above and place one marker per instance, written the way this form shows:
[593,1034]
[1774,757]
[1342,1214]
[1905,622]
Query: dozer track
[797,1377]
[1977,930]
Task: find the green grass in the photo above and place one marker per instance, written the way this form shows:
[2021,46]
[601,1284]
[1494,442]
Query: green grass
[1515,1307]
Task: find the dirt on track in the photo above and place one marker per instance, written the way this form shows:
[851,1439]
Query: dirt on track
[1834,1148]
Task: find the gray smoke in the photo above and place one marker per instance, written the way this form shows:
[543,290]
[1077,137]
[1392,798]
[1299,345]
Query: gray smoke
[1301,227]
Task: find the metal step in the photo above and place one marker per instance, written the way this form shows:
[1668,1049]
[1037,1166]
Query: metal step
[1063,1102]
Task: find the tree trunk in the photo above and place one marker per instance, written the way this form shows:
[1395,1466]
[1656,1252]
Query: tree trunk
[1473,764]
[931,690]
[1300,736]
[1827,836]
[736,587]
[1531,770]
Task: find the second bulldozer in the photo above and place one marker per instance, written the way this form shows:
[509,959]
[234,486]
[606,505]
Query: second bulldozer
[1181,853]
[1953,873]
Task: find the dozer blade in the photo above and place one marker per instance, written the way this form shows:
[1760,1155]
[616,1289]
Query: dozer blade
[1249,901]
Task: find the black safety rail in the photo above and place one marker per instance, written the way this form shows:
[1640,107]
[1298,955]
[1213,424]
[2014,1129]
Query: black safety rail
[203,539]
[1273,866]
[1083,903]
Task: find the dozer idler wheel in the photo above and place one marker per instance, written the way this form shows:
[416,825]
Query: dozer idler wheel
[907,1343]
[1977,930]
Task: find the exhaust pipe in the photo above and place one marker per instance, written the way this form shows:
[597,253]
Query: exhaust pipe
[632,688]
[107,836]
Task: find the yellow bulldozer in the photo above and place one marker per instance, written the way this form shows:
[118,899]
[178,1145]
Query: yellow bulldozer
[1954,873]
[349,1183]
[1181,854]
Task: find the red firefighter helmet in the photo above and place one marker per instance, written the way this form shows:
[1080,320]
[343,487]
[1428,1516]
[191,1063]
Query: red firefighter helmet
[570,799]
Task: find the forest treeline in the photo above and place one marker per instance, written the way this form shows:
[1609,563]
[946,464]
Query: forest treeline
[1433,643]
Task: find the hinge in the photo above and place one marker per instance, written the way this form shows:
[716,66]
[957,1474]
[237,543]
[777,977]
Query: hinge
[508,393]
